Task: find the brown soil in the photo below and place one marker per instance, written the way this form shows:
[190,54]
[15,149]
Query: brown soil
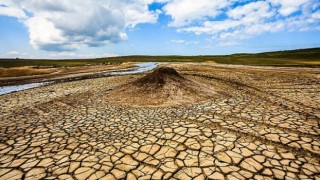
[60,74]
[24,71]
[163,87]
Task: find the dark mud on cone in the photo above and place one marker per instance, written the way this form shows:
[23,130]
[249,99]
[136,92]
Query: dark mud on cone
[159,77]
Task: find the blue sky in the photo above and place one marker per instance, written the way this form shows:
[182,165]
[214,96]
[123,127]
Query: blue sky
[99,28]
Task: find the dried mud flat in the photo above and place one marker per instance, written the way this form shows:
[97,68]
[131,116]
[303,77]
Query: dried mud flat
[265,126]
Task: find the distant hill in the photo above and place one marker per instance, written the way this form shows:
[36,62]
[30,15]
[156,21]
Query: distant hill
[300,57]
[312,53]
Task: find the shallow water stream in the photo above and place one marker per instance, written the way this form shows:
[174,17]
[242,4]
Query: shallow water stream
[142,67]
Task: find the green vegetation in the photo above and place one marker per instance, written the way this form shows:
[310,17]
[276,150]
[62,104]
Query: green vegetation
[50,63]
[302,57]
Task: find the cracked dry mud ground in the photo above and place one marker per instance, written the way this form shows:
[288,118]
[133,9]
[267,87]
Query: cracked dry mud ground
[266,128]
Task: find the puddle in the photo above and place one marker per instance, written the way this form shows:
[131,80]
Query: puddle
[142,67]
[10,89]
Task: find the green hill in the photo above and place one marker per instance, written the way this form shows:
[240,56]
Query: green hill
[301,57]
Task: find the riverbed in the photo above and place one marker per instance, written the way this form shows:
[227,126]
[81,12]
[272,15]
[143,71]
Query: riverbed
[141,67]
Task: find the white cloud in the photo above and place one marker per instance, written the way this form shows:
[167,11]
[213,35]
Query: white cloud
[12,11]
[15,54]
[252,18]
[184,12]
[252,12]
[12,53]
[212,27]
[181,41]
[316,15]
[57,55]
[74,55]
[288,6]
[137,12]
[59,25]
[43,33]
[247,15]
[227,43]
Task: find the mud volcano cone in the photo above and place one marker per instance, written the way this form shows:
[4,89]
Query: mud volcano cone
[159,77]
[162,87]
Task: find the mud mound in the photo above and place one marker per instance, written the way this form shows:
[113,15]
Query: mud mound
[163,87]
[159,77]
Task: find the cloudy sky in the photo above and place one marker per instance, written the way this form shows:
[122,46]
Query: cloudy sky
[98,28]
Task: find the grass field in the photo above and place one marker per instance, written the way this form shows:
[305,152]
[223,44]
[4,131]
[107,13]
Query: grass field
[302,57]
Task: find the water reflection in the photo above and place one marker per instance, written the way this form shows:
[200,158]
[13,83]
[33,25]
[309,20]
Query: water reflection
[142,67]
[9,89]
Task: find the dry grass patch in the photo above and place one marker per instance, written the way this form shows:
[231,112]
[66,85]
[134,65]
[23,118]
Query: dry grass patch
[24,71]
